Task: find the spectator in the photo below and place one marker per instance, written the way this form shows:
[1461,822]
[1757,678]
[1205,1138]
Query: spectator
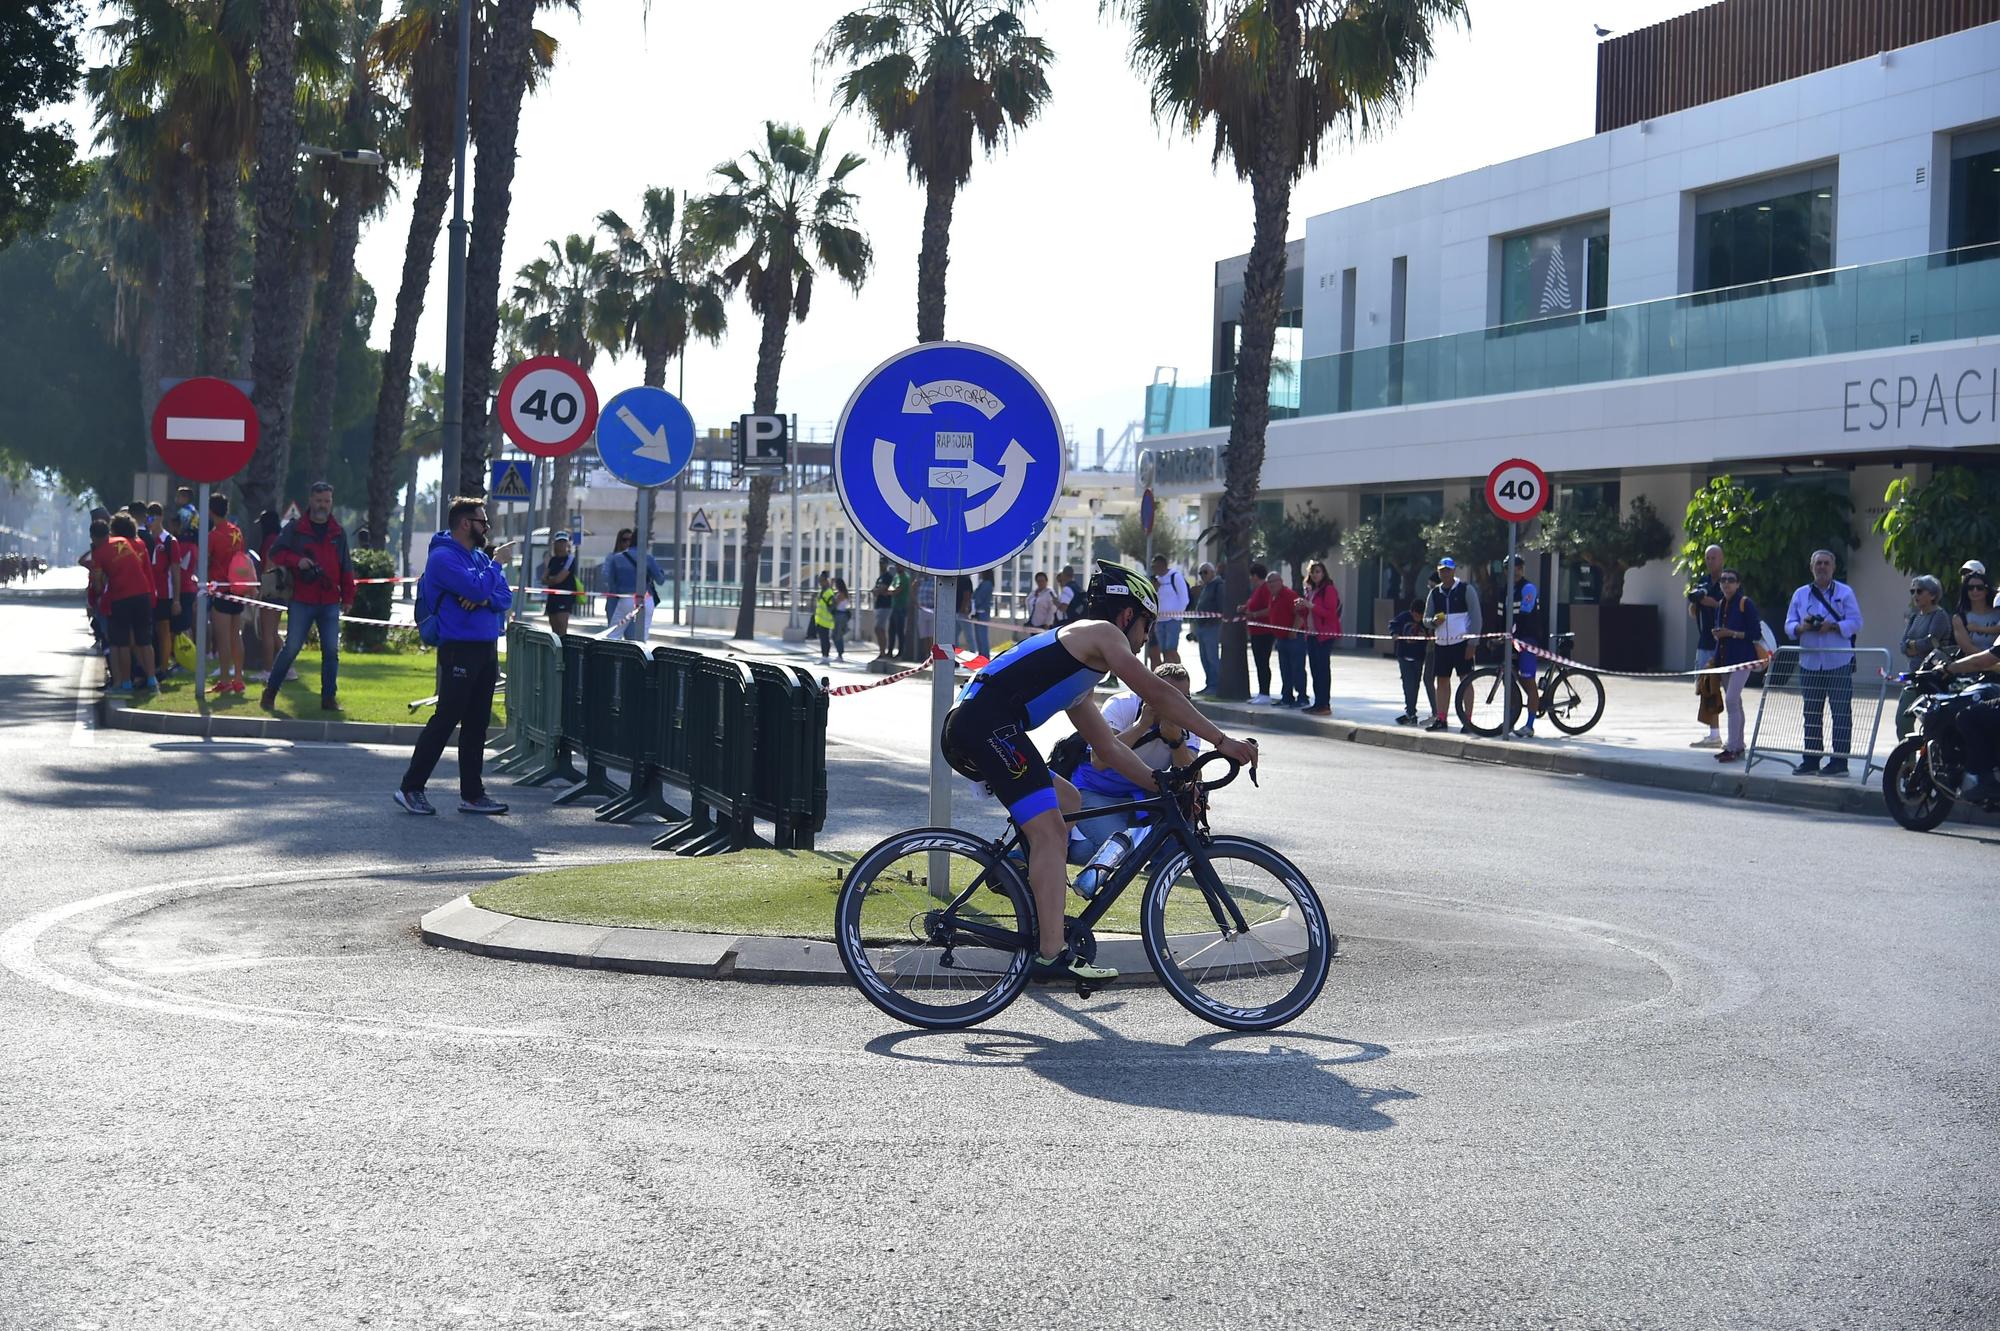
[982,614]
[1207,627]
[472,598]
[926,615]
[1157,743]
[1452,612]
[1824,618]
[1321,603]
[1257,610]
[1406,630]
[1067,607]
[312,548]
[1928,629]
[273,584]
[824,597]
[124,580]
[1527,629]
[1287,613]
[164,555]
[1739,637]
[843,615]
[560,581]
[1976,622]
[899,612]
[227,557]
[1164,643]
[1042,605]
[883,594]
[1703,598]
[621,587]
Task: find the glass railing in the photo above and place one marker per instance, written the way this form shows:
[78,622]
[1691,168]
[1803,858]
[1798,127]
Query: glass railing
[1931,298]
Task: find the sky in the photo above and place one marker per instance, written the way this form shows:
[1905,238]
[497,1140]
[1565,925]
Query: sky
[1084,251]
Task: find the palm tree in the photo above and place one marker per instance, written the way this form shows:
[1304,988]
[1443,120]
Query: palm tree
[1274,78]
[558,292]
[663,290]
[933,76]
[782,208]
[514,62]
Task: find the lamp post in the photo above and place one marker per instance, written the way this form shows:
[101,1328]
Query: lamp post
[454,317]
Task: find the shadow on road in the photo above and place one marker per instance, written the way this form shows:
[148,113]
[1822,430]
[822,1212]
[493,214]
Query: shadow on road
[1271,1076]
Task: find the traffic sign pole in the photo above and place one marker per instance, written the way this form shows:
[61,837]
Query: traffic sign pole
[201,602]
[944,691]
[644,583]
[1516,491]
[1507,648]
[681,542]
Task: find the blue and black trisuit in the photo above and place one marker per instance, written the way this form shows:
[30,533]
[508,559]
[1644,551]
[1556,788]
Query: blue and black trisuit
[986,734]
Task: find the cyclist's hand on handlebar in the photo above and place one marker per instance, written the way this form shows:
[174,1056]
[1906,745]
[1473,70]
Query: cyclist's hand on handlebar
[1242,751]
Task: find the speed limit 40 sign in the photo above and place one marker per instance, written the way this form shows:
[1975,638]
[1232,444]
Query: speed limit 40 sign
[547,406]
[1516,490]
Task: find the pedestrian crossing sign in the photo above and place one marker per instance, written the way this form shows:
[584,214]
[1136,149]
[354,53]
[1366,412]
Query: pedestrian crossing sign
[512,483]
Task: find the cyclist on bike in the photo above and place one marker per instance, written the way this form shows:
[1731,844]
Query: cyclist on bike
[986,734]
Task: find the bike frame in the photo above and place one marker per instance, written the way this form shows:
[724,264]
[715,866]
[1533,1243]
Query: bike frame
[1170,823]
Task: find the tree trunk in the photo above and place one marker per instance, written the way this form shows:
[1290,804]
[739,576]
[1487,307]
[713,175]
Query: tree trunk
[559,493]
[392,404]
[177,288]
[656,368]
[336,304]
[218,244]
[274,365]
[508,58]
[933,259]
[151,357]
[409,523]
[770,360]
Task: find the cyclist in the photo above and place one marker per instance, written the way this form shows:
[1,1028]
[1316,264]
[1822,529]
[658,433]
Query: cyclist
[986,734]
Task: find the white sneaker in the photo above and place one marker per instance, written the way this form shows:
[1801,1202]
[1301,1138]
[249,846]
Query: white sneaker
[1707,742]
[1260,700]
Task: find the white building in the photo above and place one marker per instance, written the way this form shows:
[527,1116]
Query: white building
[1798,282]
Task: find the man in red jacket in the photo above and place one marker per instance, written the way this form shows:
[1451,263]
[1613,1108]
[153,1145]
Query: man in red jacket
[314,548]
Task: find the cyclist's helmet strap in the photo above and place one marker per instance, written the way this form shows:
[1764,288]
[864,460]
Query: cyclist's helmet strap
[1114,586]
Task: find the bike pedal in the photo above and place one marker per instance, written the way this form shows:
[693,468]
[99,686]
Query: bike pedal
[1084,990]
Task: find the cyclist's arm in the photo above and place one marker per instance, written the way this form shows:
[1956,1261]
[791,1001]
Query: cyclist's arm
[1107,749]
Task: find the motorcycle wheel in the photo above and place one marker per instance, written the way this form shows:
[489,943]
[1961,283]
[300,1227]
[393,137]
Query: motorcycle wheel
[1913,798]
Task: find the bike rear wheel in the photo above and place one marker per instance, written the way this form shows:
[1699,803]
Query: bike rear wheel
[1478,703]
[1573,700]
[1245,980]
[914,955]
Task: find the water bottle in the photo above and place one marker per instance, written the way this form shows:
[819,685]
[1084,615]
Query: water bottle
[1096,873]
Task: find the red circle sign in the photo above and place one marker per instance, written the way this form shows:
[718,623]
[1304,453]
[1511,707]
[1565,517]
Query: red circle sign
[1516,490]
[205,430]
[547,406]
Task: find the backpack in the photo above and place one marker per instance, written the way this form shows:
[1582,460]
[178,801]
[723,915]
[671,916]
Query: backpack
[430,626]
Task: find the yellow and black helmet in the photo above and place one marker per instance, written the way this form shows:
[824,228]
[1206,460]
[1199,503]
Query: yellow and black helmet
[1114,586]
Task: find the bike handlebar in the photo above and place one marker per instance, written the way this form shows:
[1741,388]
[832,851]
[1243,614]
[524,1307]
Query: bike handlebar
[1191,774]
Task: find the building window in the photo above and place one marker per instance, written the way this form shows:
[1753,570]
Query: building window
[1975,189]
[1767,229]
[1557,270]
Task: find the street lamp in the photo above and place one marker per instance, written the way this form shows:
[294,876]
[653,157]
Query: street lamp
[349,156]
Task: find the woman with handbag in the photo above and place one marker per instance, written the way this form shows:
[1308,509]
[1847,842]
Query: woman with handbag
[1739,641]
[560,581]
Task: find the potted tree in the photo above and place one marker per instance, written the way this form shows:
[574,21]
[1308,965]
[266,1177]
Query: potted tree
[1396,539]
[1610,633]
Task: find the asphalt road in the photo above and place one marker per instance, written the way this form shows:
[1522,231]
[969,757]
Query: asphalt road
[1591,1057]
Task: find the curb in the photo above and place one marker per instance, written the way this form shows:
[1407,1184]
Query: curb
[225,725]
[71,595]
[464,927]
[1852,797]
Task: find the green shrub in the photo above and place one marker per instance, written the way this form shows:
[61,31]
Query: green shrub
[372,601]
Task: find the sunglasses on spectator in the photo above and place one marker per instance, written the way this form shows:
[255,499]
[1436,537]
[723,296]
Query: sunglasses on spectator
[1728,577]
[1975,586]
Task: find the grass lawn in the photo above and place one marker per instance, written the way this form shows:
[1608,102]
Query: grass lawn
[773,893]
[373,687]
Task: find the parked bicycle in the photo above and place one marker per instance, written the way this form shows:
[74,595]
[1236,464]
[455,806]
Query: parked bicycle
[1571,697]
[937,926]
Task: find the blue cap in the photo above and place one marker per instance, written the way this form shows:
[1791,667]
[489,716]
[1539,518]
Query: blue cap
[1448,562]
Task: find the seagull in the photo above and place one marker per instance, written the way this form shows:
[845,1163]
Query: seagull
[1602,31]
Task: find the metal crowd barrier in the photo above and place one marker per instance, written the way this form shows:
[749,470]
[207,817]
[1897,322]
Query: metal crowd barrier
[1819,714]
[737,743]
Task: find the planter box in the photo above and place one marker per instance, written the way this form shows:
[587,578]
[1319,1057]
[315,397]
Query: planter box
[1617,637]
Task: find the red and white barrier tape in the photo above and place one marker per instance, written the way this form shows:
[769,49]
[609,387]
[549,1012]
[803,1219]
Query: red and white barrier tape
[969,659]
[1547,655]
[345,618]
[620,623]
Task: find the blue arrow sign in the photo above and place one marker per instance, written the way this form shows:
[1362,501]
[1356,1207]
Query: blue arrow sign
[645,436]
[512,483]
[949,458]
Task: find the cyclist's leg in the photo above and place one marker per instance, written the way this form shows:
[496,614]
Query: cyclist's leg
[1047,836]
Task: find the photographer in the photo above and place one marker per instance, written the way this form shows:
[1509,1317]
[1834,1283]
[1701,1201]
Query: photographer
[1824,618]
[314,549]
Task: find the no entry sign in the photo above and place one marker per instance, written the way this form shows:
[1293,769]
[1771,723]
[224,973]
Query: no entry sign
[1516,490]
[547,406]
[205,430]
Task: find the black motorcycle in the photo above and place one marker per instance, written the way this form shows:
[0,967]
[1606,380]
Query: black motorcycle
[1923,777]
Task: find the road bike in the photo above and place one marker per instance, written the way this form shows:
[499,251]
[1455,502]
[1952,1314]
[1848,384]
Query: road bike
[1571,697]
[937,927]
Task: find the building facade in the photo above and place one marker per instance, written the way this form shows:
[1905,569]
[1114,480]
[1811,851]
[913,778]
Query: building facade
[1796,283]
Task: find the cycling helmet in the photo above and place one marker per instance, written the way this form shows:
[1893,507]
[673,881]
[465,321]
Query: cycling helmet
[1114,586]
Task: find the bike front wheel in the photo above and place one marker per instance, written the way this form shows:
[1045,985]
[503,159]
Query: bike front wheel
[1573,700]
[1250,950]
[916,955]
[1479,703]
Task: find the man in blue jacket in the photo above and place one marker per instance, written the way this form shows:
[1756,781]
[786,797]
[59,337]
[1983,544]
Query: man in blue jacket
[472,598]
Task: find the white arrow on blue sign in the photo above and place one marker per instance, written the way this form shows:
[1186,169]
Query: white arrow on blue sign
[645,436]
[949,458]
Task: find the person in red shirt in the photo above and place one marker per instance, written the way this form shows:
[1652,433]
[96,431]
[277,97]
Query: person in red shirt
[226,552]
[1319,615]
[1262,636]
[123,576]
[164,555]
[1283,616]
[315,549]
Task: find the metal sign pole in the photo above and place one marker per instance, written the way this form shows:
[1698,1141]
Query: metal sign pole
[644,582]
[798,572]
[201,602]
[1507,668]
[681,540]
[944,689]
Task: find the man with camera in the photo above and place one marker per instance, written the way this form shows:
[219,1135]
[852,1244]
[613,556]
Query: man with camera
[314,548]
[1824,618]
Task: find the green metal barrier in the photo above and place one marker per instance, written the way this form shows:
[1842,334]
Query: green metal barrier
[784,778]
[534,708]
[624,710]
[722,755]
[589,709]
